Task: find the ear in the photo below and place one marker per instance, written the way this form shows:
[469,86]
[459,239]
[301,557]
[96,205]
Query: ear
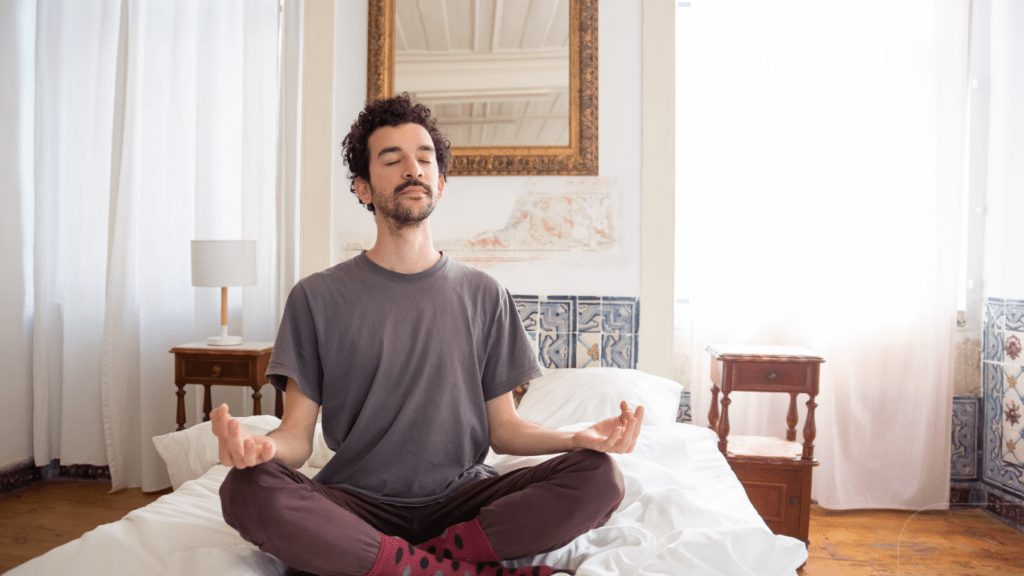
[440,186]
[363,190]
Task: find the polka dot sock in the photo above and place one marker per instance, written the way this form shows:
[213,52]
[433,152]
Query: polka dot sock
[465,541]
[399,558]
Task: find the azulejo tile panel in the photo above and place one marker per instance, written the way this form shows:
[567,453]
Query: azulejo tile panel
[1014,315]
[580,331]
[1003,395]
[966,439]
[684,414]
[1012,417]
[993,331]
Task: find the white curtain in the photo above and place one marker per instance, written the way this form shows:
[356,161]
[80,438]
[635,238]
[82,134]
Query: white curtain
[156,123]
[820,187]
[997,69]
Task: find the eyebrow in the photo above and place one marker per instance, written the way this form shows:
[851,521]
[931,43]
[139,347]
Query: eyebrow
[394,149]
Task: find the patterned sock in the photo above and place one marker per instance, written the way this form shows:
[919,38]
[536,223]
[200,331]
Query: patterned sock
[399,558]
[465,541]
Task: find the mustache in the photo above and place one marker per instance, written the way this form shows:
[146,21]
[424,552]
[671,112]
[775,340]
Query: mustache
[408,183]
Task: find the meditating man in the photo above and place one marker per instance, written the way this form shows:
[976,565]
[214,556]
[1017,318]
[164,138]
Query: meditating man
[412,358]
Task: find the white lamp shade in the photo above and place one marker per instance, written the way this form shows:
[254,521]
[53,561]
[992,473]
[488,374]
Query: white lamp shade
[223,262]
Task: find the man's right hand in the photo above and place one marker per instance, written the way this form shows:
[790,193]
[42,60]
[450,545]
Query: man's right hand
[239,447]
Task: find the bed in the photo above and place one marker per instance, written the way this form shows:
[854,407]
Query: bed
[684,511]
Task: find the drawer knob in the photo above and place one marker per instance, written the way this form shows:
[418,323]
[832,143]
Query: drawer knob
[216,370]
[772,375]
[793,500]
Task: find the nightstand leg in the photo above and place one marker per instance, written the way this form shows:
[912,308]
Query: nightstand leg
[207,403]
[791,418]
[713,413]
[810,431]
[256,408]
[723,424]
[181,405]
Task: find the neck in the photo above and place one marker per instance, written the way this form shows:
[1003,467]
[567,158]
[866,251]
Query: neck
[407,250]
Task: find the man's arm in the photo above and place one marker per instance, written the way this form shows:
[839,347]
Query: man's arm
[291,442]
[512,434]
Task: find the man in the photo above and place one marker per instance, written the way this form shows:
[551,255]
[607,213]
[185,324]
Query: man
[412,358]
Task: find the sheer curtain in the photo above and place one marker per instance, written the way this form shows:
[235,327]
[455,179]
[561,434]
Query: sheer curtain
[820,180]
[156,123]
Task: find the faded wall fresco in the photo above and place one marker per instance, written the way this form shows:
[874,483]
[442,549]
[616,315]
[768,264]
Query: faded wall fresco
[544,224]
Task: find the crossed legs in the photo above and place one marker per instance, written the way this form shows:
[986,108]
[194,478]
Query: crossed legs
[331,530]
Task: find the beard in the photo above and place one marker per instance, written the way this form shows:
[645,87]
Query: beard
[398,213]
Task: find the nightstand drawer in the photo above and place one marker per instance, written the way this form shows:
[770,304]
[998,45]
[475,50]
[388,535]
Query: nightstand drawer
[217,370]
[769,376]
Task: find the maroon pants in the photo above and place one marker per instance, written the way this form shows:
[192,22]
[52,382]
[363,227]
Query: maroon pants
[330,530]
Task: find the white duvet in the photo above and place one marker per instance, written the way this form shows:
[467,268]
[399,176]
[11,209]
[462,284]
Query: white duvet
[684,513]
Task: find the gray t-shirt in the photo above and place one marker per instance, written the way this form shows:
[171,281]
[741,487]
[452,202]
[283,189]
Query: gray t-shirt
[402,365]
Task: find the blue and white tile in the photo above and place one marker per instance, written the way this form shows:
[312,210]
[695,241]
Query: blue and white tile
[556,349]
[993,337]
[995,312]
[534,345]
[994,346]
[557,314]
[965,448]
[588,350]
[1014,318]
[684,414]
[1013,348]
[1012,424]
[529,311]
[996,468]
[618,350]
[589,314]
[620,316]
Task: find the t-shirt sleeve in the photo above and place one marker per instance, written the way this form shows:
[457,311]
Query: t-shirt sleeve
[296,352]
[511,360]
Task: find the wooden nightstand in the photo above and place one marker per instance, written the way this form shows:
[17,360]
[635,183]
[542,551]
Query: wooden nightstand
[241,365]
[776,473]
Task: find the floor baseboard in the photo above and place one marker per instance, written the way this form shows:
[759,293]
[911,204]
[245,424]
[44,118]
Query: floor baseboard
[25,474]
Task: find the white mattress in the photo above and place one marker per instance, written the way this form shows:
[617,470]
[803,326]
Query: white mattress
[684,513]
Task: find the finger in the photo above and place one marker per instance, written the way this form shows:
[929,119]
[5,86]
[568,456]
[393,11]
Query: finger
[266,449]
[249,445]
[622,445]
[235,444]
[224,453]
[639,416]
[218,418]
[611,442]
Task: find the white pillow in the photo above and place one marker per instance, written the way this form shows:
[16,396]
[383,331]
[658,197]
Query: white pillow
[571,395]
[191,452]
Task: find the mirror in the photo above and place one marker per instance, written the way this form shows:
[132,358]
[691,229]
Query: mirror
[513,84]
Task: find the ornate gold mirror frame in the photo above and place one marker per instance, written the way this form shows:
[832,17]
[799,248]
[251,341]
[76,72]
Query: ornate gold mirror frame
[578,158]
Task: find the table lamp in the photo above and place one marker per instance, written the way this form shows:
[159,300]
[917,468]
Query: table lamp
[223,263]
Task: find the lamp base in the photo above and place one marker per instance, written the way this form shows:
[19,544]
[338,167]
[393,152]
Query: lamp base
[224,340]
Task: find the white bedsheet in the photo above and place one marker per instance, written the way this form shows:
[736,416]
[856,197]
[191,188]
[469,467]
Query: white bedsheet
[684,513]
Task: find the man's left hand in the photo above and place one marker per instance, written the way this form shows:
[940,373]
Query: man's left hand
[616,435]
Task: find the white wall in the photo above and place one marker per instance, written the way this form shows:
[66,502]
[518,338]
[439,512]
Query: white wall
[477,204]
[17,34]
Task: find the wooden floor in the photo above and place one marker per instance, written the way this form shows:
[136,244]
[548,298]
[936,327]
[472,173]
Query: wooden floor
[868,543]
[891,543]
[46,515]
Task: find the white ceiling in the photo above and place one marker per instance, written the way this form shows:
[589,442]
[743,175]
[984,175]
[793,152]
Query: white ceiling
[495,72]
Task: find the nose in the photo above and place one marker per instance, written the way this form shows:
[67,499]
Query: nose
[412,169]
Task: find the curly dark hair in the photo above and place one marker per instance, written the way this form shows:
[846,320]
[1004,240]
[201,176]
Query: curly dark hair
[388,112]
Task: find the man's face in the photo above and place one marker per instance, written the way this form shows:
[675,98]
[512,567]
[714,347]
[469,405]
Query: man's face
[404,181]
